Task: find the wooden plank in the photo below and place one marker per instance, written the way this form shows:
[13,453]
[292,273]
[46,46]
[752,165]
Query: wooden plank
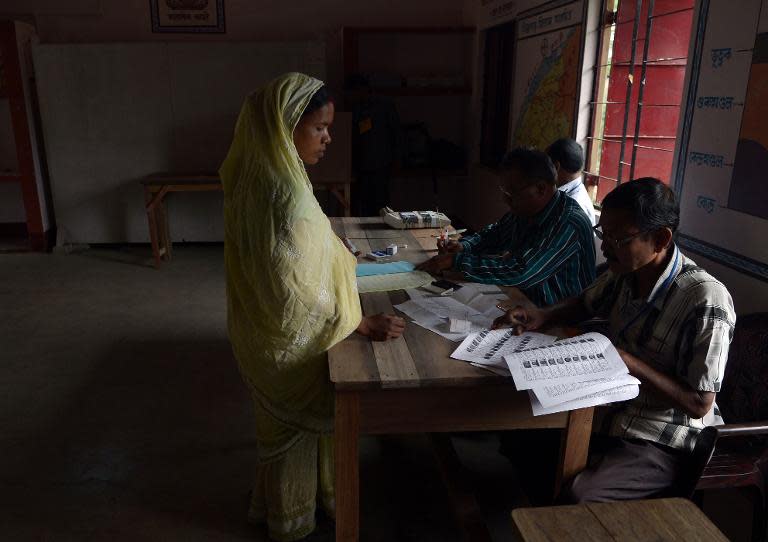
[656,519]
[444,409]
[353,363]
[346,466]
[393,358]
[559,524]
[352,227]
[574,446]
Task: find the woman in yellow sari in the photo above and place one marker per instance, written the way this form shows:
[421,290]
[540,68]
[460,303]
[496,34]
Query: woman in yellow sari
[292,295]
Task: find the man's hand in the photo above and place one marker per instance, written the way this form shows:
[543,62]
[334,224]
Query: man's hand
[381,327]
[448,246]
[521,319]
[436,264]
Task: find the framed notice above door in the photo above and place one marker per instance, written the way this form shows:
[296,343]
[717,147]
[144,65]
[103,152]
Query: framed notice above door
[187,15]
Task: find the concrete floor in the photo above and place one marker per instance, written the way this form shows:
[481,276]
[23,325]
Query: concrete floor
[123,417]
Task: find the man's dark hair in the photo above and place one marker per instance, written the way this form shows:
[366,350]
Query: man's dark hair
[318,100]
[651,203]
[568,154]
[532,164]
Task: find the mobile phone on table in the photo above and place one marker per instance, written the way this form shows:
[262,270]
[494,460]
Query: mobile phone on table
[442,287]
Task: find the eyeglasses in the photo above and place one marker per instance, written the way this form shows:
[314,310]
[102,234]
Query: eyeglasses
[516,193]
[618,243]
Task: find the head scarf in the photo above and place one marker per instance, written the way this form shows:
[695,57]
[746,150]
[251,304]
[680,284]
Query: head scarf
[291,285]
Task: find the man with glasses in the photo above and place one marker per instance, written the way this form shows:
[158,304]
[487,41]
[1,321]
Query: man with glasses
[672,323]
[543,245]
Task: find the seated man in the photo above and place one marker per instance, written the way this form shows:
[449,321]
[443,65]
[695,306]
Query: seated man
[568,158]
[544,245]
[671,322]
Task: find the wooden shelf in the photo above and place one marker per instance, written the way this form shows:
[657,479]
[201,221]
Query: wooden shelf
[423,91]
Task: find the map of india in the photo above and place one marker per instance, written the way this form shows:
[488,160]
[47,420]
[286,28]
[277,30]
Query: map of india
[547,111]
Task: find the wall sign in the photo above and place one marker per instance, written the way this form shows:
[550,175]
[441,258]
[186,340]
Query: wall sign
[187,15]
[724,156]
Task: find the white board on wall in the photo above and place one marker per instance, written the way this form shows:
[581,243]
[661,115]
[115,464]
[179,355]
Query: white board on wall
[723,205]
[113,113]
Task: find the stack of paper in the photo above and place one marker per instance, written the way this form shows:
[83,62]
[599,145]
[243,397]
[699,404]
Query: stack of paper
[564,375]
[470,309]
[487,348]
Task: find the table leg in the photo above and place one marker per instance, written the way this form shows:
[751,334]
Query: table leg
[574,446]
[347,468]
[165,232]
[151,219]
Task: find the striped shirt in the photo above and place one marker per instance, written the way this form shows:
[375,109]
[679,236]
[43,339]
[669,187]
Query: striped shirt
[550,256]
[683,329]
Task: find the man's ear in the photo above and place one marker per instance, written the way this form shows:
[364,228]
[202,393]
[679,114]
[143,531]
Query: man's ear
[662,238]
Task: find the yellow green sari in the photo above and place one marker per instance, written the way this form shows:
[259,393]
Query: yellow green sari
[291,295]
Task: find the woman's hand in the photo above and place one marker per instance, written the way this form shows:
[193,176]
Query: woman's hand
[448,246]
[521,319]
[381,327]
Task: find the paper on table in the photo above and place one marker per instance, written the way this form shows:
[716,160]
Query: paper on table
[395,281]
[554,394]
[501,370]
[443,329]
[613,395]
[584,357]
[447,307]
[480,297]
[368,269]
[488,347]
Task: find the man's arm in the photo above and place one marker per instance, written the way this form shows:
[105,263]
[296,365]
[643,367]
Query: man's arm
[489,239]
[568,311]
[693,402]
[538,265]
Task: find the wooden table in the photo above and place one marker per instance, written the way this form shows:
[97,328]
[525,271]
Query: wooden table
[410,385]
[645,520]
[157,185]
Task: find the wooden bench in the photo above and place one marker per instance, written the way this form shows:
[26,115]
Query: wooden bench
[626,521]
[158,185]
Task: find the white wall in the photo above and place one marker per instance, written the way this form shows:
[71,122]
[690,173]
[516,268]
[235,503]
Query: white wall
[113,113]
[91,21]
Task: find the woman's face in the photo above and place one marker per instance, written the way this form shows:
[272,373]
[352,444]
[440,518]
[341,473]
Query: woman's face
[311,135]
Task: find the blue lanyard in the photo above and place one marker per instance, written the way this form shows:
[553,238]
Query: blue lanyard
[664,287]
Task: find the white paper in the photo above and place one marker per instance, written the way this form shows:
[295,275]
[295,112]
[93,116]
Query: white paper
[488,347]
[500,369]
[613,395]
[554,394]
[434,312]
[456,325]
[443,330]
[447,307]
[585,357]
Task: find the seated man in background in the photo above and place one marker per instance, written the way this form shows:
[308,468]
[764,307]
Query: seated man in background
[568,158]
[672,323]
[543,245]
